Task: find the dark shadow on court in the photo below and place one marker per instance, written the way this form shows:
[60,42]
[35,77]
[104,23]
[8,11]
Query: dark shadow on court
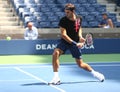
[33,84]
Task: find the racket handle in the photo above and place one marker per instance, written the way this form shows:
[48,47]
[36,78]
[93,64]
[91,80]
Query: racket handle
[74,43]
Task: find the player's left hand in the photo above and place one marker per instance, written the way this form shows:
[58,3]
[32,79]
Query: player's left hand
[82,40]
[80,45]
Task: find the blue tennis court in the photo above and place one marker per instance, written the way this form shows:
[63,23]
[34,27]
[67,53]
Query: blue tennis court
[34,78]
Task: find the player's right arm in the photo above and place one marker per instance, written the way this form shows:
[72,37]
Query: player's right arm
[65,36]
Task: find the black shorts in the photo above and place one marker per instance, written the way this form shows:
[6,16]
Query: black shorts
[75,51]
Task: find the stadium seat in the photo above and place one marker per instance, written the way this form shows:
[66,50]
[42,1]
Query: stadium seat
[61,1]
[34,9]
[52,10]
[54,24]
[45,9]
[92,1]
[44,24]
[52,18]
[29,19]
[73,1]
[82,1]
[85,24]
[80,9]
[101,9]
[42,19]
[93,24]
[21,10]
[89,18]
[49,13]
[29,1]
[90,9]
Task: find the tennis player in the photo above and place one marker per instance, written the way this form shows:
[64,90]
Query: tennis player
[71,39]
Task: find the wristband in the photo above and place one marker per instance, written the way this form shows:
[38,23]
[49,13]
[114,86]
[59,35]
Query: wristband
[74,43]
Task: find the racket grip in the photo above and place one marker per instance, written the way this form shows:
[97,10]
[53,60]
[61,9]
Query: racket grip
[74,43]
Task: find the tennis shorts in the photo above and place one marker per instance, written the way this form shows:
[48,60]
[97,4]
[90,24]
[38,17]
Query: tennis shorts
[74,50]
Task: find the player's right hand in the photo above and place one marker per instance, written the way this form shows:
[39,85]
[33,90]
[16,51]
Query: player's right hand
[80,45]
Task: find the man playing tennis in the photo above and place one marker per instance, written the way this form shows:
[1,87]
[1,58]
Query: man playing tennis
[71,39]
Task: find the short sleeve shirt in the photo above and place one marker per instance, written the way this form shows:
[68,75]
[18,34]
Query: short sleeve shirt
[72,27]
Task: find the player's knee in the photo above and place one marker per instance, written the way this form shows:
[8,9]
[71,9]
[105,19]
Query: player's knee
[56,53]
[81,64]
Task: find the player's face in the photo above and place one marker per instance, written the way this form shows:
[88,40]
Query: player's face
[68,13]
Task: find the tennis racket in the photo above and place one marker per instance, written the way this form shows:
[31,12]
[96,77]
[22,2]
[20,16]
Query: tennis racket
[89,39]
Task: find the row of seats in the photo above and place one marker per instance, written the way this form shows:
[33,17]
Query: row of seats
[47,13]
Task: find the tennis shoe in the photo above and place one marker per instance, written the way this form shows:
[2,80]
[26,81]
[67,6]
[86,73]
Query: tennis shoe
[99,76]
[55,81]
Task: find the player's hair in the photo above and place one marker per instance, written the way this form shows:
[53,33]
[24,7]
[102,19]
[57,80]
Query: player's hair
[70,7]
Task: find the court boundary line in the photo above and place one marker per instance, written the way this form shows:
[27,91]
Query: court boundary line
[65,63]
[50,66]
[37,78]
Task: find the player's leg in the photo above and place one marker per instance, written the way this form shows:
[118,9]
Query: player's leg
[83,65]
[87,67]
[55,59]
[76,53]
[55,63]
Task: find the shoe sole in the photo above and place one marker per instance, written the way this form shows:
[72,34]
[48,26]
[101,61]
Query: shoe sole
[58,83]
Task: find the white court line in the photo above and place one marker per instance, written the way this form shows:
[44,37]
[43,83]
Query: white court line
[50,66]
[37,78]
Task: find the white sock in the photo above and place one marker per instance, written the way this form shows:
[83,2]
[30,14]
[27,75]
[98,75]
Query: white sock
[56,74]
[93,72]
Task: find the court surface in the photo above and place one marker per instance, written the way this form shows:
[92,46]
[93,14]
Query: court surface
[34,78]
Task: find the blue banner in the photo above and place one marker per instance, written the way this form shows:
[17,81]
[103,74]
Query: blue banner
[31,47]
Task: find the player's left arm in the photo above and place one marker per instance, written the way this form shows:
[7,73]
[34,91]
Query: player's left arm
[81,39]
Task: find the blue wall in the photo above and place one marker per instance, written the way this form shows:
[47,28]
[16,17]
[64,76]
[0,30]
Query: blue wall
[28,47]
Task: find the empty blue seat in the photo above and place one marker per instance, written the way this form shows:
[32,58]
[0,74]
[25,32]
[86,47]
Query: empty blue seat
[34,9]
[61,1]
[54,24]
[45,9]
[59,14]
[52,18]
[101,9]
[24,14]
[36,24]
[80,9]
[82,1]
[42,18]
[89,18]
[45,24]
[92,1]
[29,18]
[49,13]
[73,1]
[90,9]
[117,24]
[38,14]
[29,1]
[83,14]
[85,24]
[56,9]
[93,24]
[50,1]
[99,18]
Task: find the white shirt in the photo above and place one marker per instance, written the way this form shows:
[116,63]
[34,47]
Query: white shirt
[31,34]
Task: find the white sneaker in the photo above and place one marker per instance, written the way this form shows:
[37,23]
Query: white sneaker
[99,76]
[55,81]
